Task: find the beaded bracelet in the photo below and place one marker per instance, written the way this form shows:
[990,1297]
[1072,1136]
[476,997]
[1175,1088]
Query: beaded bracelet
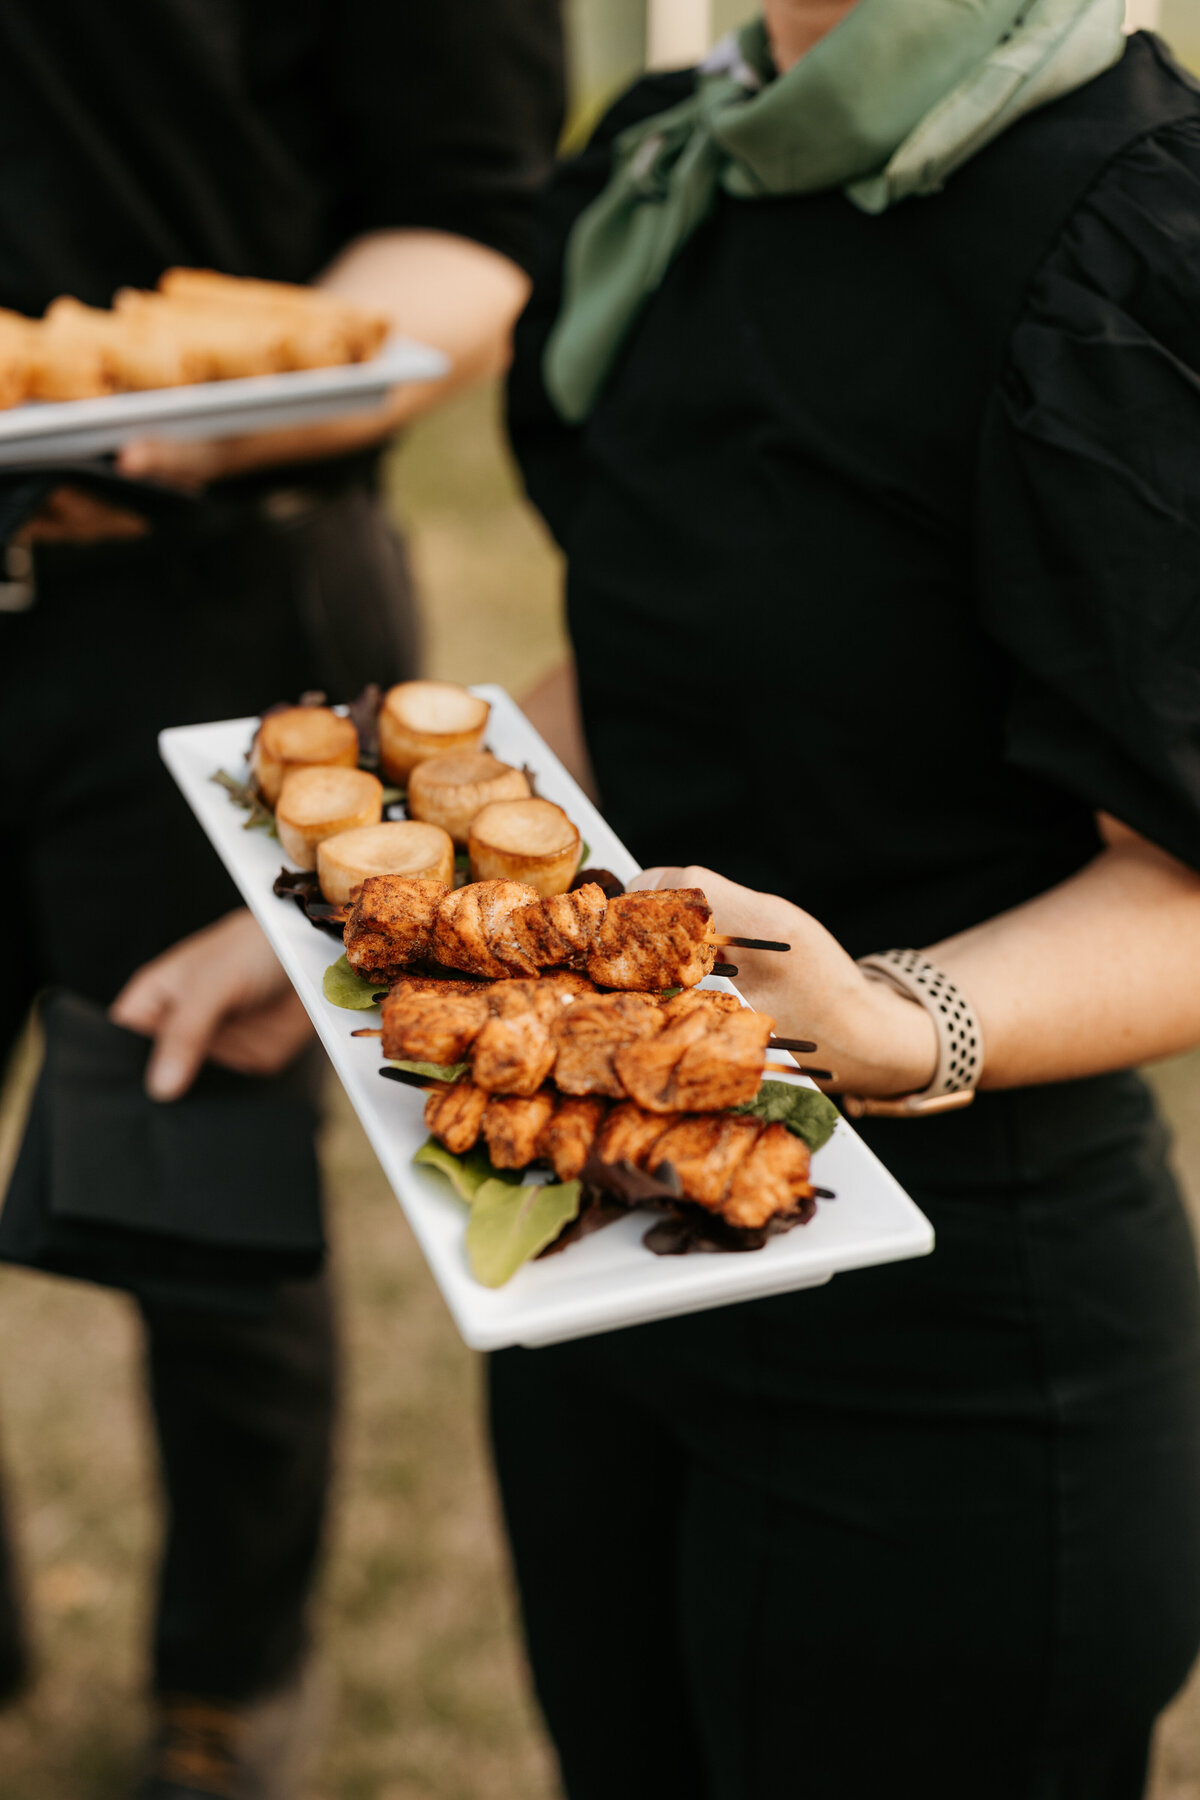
[960,1041]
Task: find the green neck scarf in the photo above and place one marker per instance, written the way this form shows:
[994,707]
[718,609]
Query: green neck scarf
[888,104]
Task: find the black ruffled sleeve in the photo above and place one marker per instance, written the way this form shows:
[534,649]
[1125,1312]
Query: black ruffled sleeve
[1089,499]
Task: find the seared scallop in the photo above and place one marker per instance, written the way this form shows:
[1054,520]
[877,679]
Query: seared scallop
[423,719]
[300,737]
[407,847]
[524,840]
[319,803]
[450,790]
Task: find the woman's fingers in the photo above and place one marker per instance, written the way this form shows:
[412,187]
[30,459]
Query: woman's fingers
[656,878]
[264,1041]
[179,464]
[143,1001]
[736,909]
[187,997]
[181,1044]
[73,516]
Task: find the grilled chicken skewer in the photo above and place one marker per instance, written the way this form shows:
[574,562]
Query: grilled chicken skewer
[698,1052]
[641,942]
[733,1165]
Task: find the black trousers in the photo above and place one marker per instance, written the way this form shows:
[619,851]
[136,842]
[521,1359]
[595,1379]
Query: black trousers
[247,604]
[931,1530]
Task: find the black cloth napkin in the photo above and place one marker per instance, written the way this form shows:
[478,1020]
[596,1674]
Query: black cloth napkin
[207,1201]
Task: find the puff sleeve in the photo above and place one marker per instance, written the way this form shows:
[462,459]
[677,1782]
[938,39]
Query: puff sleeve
[1088,501]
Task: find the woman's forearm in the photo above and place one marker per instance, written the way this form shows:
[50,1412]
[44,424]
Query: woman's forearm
[448,291]
[1099,973]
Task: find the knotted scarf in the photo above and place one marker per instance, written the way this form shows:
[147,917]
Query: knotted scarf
[888,104]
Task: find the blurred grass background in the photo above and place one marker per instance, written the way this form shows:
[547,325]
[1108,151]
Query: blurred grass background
[429,1697]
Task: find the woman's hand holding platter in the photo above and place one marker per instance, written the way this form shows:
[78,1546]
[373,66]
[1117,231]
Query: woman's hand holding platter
[1095,974]
[875,1040]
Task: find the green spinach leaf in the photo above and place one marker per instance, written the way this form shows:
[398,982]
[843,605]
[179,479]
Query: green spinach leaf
[806,1112]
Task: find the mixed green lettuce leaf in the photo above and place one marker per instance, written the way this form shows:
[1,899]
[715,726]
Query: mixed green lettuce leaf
[344,986]
[242,794]
[434,1071]
[510,1223]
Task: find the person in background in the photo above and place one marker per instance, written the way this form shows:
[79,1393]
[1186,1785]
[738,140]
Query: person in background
[390,153]
[861,387]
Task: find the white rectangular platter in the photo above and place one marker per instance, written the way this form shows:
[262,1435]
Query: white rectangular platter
[606,1280]
[60,430]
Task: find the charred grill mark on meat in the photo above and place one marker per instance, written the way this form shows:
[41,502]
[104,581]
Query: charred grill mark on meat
[653,940]
[470,924]
[433,1028]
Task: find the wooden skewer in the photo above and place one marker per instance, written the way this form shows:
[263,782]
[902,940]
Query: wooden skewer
[411,1079]
[802,1069]
[729,970]
[768,1068]
[368,1031]
[744,943]
[804,1045]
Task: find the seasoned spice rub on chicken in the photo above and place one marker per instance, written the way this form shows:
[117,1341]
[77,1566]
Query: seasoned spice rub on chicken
[658,939]
[391,924]
[699,1052]
[697,1064]
[591,1031]
[470,923]
[570,1133]
[558,931]
[637,942]
[512,1128]
[733,1165]
[505,1026]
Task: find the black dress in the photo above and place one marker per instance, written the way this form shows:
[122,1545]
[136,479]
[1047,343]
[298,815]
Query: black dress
[917,498]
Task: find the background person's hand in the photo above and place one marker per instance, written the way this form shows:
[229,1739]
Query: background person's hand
[451,292]
[71,515]
[874,1040]
[192,463]
[219,996]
